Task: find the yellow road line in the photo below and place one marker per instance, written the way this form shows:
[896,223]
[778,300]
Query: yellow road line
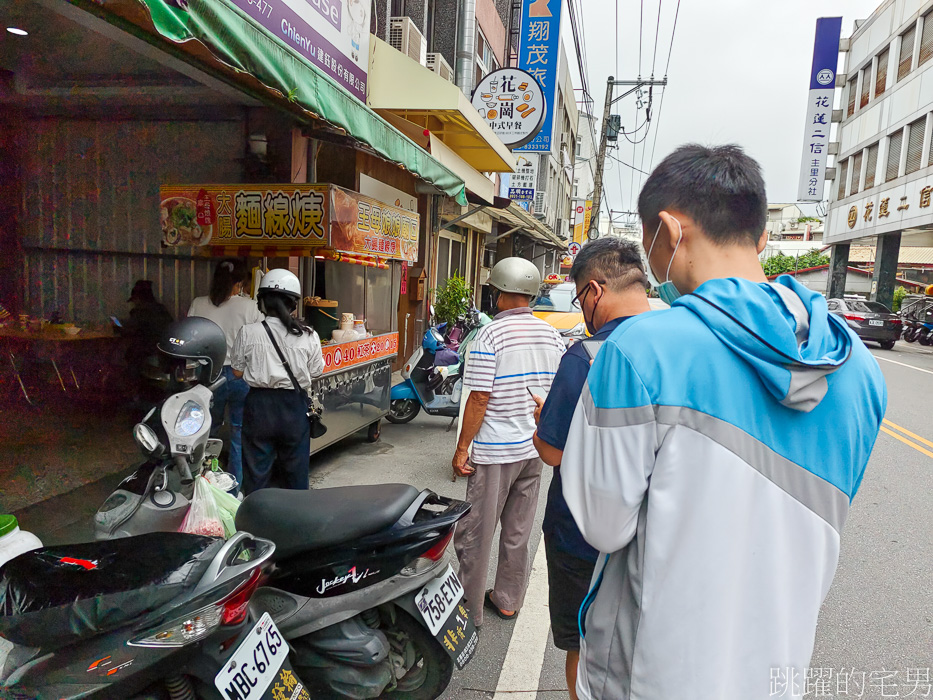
[906,441]
[908,433]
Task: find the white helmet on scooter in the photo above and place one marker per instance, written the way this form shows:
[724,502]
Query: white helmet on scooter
[282,281]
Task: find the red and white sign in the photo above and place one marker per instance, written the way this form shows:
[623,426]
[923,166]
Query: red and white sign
[358,352]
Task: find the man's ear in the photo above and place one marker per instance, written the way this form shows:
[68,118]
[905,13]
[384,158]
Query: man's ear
[671,229]
[762,241]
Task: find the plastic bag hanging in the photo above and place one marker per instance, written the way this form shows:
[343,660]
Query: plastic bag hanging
[203,516]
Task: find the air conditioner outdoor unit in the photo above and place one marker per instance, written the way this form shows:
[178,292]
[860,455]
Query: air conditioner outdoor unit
[437,63]
[405,37]
[541,204]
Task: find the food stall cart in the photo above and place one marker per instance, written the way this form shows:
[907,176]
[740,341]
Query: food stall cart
[351,249]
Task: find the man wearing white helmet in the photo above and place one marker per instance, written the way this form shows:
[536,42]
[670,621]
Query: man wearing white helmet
[512,358]
[276,432]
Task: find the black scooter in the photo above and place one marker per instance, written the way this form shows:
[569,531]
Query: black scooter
[153,616]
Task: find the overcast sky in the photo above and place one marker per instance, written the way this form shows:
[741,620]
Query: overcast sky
[739,73]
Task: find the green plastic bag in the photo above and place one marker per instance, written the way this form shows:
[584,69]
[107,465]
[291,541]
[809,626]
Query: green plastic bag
[227,505]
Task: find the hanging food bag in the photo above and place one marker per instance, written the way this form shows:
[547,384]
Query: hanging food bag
[203,516]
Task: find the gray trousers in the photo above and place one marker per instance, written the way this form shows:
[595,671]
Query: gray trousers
[506,493]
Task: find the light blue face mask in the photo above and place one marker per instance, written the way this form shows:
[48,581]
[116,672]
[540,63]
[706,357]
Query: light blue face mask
[666,290]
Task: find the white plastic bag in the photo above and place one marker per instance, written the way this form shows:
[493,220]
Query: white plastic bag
[203,516]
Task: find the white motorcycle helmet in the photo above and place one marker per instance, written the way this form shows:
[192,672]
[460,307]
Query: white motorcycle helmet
[282,281]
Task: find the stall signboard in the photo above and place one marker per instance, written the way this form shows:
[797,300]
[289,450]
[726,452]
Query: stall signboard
[512,103]
[291,217]
[359,352]
[331,34]
[539,54]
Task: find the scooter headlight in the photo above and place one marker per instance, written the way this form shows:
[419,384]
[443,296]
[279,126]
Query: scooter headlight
[190,419]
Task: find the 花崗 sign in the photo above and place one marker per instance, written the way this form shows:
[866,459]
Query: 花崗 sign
[512,104]
[291,217]
[331,34]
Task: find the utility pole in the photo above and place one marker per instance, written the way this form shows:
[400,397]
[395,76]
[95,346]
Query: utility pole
[611,82]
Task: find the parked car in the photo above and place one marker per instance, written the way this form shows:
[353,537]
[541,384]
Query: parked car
[870,320]
[554,305]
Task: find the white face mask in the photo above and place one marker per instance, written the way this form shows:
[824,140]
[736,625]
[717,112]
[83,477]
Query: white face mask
[666,289]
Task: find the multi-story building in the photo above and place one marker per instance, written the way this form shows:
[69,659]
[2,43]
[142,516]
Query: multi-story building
[883,176]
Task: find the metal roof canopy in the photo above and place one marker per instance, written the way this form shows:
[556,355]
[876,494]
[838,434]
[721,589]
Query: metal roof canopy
[402,87]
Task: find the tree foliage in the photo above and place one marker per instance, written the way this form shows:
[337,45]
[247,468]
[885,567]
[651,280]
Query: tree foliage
[780,264]
[899,295]
[452,299]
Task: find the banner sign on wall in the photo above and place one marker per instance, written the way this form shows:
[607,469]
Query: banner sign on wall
[331,34]
[511,102]
[539,54]
[292,217]
[524,180]
[819,109]
[582,212]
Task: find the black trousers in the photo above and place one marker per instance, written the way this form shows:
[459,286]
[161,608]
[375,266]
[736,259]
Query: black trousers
[276,440]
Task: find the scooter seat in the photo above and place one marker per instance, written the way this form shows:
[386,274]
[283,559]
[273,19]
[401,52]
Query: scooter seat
[301,521]
[55,596]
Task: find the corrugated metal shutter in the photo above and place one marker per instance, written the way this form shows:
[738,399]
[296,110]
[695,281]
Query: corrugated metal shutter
[926,39]
[90,224]
[881,76]
[915,145]
[843,172]
[853,89]
[866,86]
[871,166]
[856,172]
[907,52]
[894,155]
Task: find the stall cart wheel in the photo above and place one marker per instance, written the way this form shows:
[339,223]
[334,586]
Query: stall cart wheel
[375,430]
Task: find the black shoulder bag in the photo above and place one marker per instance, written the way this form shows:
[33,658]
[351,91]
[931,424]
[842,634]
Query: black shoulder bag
[314,415]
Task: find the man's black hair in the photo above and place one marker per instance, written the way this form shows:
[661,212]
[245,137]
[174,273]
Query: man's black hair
[613,262]
[720,188]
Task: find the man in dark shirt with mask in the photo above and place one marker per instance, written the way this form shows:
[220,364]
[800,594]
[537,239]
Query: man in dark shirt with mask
[611,284]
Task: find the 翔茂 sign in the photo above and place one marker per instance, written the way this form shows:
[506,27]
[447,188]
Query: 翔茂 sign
[512,104]
[819,109]
[539,54]
[331,34]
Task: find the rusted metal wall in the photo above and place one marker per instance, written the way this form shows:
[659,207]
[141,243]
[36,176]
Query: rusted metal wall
[89,220]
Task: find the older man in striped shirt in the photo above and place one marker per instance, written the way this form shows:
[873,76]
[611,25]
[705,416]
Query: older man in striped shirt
[511,359]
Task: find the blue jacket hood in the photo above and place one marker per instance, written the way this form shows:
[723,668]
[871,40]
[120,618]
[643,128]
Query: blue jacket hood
[782,329]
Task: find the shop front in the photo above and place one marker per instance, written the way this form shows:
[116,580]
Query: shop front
[353,251]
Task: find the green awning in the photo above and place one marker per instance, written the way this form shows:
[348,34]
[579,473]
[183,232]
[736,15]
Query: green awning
[220,34]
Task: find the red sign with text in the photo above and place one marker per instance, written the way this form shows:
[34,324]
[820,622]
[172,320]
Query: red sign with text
[358,352]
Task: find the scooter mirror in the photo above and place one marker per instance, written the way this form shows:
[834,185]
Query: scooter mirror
[147,440]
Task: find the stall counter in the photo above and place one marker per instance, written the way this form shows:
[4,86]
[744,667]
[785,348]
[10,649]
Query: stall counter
[355,387]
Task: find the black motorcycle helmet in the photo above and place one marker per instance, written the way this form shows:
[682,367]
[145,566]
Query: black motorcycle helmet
[197,340]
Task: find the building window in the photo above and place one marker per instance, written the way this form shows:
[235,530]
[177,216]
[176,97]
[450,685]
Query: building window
[871,166]
[894,155]
[881,76]
[485,57]
[908,39]
[843,171]
[915,145]
[853,89]
[866,86]
[926,39]
[856,172]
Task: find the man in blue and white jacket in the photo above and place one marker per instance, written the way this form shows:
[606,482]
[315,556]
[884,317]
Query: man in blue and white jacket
[714,453]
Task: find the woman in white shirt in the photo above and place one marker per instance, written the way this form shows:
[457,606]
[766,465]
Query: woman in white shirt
[276,433]
[228,309]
